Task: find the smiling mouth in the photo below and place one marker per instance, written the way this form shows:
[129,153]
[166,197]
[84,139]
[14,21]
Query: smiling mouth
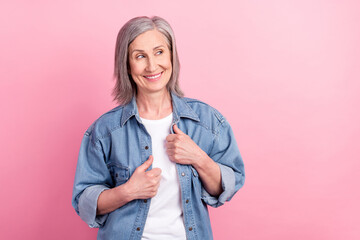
[153,77]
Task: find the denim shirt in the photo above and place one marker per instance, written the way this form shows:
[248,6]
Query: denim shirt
[117,143]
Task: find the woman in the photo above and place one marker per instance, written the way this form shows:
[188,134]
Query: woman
[148,168]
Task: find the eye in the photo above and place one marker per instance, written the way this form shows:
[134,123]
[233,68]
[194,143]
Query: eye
[159,52]
[140,56]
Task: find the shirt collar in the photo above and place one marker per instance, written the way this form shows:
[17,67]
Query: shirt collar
[180,110]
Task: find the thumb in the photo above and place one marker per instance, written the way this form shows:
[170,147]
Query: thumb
[177,130]
[146,164]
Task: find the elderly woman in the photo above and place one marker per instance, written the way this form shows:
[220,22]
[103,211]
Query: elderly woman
[148,168]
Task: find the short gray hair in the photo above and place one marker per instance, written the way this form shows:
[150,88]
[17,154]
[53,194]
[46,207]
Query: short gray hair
[125,87]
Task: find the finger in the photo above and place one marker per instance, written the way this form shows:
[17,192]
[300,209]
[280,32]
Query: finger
[171,156]
[177,130]
[157,181]
[170,152]
[157,185]
[173,159]
[154,172]
[146,164]
[171,137]
[169,145]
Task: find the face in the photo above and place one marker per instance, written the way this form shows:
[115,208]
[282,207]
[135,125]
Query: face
[150,62]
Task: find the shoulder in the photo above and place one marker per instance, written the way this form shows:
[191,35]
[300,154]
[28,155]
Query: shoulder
[203,109]
[207,114]
[105,124]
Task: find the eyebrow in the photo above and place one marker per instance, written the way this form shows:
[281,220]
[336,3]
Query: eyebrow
[139,50]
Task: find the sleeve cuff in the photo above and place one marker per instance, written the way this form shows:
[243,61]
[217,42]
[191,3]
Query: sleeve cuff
[88,205]
[228,186]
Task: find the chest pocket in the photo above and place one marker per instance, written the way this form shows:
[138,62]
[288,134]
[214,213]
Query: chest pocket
[119,174]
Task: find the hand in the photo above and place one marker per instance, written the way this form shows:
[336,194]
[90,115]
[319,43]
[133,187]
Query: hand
[182,149]
[144,184]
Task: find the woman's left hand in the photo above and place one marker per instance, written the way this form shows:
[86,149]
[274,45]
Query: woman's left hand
[182,149]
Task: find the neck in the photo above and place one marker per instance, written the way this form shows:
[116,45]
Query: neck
[155,105]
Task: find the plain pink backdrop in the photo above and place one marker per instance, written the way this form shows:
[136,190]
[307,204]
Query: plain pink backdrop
[286,74]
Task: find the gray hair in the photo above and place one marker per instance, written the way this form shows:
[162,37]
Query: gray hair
[125,87]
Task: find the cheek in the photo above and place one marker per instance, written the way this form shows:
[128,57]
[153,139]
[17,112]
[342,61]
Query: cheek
[166,61]
[135,68]
[167,64]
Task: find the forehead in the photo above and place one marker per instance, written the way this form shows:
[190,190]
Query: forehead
[148,40]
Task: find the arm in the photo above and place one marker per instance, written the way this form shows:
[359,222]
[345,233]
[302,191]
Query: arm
[111,199]
[221,172]
[210,174]
[92,177]
[226,154]
[93,196]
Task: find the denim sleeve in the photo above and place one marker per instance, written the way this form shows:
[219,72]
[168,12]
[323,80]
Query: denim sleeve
[226,154]
[91,178]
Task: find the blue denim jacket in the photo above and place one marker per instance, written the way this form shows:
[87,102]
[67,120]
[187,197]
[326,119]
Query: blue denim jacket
[117,143]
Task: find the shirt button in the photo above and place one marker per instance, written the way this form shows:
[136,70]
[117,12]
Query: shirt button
[145,201]
[190,228]
[182,174]
[187,201]
[146,147]
[138,229]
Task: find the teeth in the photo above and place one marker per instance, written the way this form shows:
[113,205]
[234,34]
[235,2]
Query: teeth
[153,77]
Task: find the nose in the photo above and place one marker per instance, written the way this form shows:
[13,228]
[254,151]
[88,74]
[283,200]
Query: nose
[151,64]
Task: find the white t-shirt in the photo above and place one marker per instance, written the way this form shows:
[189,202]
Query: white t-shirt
[165,217]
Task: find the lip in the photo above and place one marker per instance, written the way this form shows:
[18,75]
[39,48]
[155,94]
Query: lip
[154,77]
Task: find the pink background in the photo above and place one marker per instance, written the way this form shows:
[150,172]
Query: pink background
[284,73]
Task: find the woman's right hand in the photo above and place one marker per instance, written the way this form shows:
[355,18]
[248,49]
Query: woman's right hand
[144,184]
[141,185]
